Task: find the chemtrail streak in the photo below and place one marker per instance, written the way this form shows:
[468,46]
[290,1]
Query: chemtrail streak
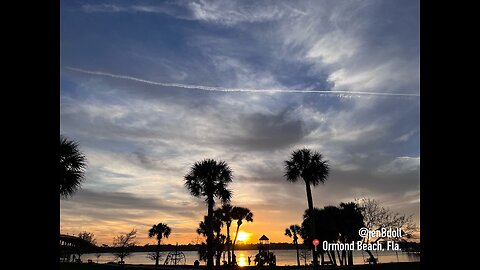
[223,89]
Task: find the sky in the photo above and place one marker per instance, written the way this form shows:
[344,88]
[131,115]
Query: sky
[147,88]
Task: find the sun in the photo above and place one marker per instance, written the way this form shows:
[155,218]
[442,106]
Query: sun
[243,236]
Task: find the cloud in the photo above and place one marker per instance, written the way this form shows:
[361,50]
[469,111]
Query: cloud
[103,8]
[333,47]
[119,8]
[226,13]
[259,131]
[101,202]
[401,164]
[231,13]
[149,88]
[91,208]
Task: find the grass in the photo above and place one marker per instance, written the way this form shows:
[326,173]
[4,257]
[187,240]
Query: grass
[382,266]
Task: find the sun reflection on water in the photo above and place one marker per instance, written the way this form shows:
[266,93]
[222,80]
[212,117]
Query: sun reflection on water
[242,260]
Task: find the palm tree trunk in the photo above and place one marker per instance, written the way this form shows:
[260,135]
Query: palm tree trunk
[228,242]
[233,246]
[218,256]
[218,252]
[312,222]
[298,256]
[158,253]
[210,236]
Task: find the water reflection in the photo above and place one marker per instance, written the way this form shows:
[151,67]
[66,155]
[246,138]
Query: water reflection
[242,260]
[284,257]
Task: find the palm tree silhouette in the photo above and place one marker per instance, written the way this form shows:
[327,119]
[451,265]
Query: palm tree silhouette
[72,167]
[209,179]
[240,214]
[313,170]
[219,243]
[226,216]
[219,237]
[294,231]
[160,230]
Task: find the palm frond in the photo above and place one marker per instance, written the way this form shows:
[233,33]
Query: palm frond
[307,165]
[72,167]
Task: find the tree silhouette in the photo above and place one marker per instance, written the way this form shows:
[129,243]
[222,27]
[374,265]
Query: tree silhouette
[240,214]
[313,170]
[123,244]
[219,238]
[209,179]
[86,245]
[159,230]
[294,231]
[219,243]
[335,224]
[351,218]
[326,226]
[226,216]
[72,167]
[377,217]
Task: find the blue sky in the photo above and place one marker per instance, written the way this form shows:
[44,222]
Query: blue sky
[141,137]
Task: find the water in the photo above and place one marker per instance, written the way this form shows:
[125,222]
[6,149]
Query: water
[284,257]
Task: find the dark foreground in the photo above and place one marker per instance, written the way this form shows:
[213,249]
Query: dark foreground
[382,266]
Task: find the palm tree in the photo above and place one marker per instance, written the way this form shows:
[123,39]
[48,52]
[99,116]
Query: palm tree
[217,228]
[240,214]
[160,230]
[209,179]
[226,216]
[219,238]
[294,231]
[72,167]
[313,170]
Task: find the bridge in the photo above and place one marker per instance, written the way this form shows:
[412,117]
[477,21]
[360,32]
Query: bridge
[71,245]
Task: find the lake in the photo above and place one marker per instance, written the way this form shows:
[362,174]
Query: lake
[284,257]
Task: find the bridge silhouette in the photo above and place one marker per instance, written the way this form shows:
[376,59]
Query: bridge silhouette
[72,245]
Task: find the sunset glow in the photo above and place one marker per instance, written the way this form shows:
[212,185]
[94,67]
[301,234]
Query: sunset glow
[243,236]
[148,89]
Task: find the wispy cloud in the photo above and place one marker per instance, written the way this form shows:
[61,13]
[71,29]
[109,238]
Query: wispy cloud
[222,89]
[230,13]
[401,164]
[114,8]
[103,8]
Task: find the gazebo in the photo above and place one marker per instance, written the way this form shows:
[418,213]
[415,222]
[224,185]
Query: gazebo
[264,243]
[264,255]
[264,240]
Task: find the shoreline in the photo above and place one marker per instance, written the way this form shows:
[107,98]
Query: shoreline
[380,266]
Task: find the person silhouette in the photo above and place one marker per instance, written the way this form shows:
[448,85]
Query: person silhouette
[249,260]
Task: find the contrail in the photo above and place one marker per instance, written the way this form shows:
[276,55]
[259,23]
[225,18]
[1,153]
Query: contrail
[223,89]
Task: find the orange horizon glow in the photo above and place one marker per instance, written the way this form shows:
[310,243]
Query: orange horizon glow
[243,236]
[276,236]
[266,222]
